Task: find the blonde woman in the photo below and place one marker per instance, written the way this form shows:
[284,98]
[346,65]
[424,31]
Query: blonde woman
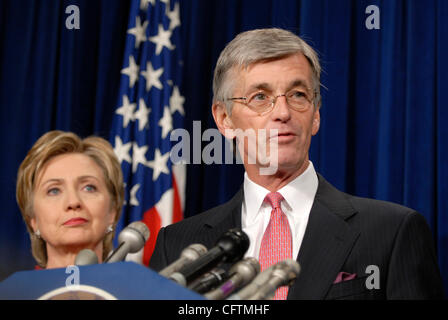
[70,192]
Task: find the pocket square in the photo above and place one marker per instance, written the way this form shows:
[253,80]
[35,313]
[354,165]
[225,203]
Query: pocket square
[344,276]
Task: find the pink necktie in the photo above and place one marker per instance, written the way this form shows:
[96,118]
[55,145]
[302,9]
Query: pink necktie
[276,244]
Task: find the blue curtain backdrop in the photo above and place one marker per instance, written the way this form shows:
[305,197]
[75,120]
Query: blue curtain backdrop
[384,105]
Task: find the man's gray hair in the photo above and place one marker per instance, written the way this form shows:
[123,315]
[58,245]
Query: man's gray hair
[256,45]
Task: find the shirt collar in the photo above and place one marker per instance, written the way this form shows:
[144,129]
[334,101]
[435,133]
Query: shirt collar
[303,188]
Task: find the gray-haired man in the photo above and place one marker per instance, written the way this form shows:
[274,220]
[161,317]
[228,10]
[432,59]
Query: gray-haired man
[269,79]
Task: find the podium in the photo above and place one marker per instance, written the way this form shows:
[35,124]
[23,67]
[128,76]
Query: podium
[121,281]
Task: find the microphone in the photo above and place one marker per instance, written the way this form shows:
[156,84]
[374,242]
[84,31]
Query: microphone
[190,253]
[241,273]
[209,280]
[86,257]
[264,285]
[284,273]
[131,239]
[230,247]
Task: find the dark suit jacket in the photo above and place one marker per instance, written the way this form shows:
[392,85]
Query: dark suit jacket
[344,234]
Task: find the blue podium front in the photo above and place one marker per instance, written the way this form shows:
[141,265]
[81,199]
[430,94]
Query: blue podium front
[121,280]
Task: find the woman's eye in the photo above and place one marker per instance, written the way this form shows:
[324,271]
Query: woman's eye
[90,188]
[53,191]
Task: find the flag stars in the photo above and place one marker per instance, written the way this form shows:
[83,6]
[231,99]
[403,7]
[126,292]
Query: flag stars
[162,39]
[122,150]
[166,122]
[138,156]
[139,31]
[133,201]
[148,108]
[144,4]
[177,101]
[131,71]
[174,17]
[126,110]
[159,164]
[152,76]
[142,115]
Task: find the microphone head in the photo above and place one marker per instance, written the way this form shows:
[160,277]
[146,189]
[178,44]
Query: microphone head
[208,280]
[135,235]
[86,257]
[287,270]
[290,265]
[248,268]
[193,251]
[234,243]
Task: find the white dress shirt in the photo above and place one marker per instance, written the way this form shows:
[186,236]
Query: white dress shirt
[298,199]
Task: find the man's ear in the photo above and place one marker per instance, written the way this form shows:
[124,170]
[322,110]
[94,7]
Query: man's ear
[222,120]
[316,122]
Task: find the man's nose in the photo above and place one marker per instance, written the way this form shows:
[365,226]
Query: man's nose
[281,108]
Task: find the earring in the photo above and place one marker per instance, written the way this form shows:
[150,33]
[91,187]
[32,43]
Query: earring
[37,233]
[109,229]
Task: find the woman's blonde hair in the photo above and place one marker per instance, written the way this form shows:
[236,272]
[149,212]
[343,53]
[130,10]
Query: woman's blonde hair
[56,143]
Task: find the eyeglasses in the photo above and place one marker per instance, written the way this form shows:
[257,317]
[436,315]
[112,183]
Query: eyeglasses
[261,102]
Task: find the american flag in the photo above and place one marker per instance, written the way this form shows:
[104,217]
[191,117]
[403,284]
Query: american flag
[149,107]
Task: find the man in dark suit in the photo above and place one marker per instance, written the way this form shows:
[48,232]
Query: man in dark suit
[268,81]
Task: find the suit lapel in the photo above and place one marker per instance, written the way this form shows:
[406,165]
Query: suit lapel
[327,242]
[223,218]
[220,220]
